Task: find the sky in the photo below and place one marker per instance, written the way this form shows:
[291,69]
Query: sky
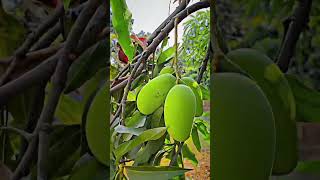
[149,14]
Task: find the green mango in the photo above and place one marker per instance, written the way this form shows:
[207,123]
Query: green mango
[154,93]
[277,89]
[243,129]
[197,92]
[179,111]
[166,70]
[97,125]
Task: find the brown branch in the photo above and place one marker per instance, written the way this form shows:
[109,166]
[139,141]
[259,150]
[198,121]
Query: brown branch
[299,22]
[59,79]
[20,132]
[204,65]
[37,75]
[48,38]
[31,39]
[181,7]
[44,70]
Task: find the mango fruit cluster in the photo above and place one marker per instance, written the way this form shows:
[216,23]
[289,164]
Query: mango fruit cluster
[182,101]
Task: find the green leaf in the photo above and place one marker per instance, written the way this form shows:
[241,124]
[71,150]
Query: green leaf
[188,154]
[166,55]
[308,167]
[307,100]
[154,172]
[69,110]
[66,4]
[156,118]
[64,149]
[136,120]
[195,138]
[92,170]
[12,34]
[126,130]
[121,20]
[203,128]
[148,135]
[97,125]
[19,107]
[150,149]
[205,92]
[88,64]
[138,81]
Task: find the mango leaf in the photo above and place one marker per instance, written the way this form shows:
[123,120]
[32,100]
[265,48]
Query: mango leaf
[136,120]
[121,21]
[166,55]
[66,4]
[88,64]
[69,110]
[12,34]
[64,150]
[97,125]
[123,129]
[195,138]
[308,167]
[188,154]
[138,81]
[307,100]
[20,106]
[153,172]
[150,149]
[205,92]
[93,84]
[156,118]
[203,128]
[92,170]
[148,135]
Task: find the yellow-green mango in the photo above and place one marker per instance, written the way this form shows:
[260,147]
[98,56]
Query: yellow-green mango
[179,111]
[197,92]
[154,93]
[243,129]
[277,89]
[97,125]
[166,70]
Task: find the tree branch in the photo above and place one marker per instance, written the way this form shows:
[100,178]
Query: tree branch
[31,39]
[27,136]
[59,79]
[44,70]
[204,64]
[299,22]
[181,7]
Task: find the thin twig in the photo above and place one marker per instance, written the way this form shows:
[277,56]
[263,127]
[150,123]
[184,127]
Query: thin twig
[181,7]
[59,79]
[204,64]
[175,157]
[299,22]
[27,136]
[44,71]
[31,39]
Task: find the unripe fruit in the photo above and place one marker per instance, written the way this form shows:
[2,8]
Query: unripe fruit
[166,70]
[153,94]
[97,132]
[243,129]
[277,89]
[179,111]
[197,92]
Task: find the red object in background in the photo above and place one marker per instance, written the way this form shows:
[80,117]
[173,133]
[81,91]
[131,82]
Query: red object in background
[141,41]
[122,56]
